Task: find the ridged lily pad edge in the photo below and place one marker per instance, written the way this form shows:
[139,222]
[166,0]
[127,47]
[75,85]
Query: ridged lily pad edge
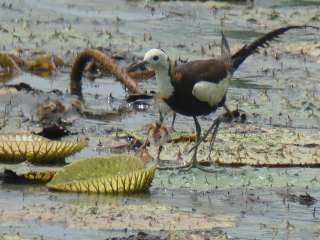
[137,181]
[109,178]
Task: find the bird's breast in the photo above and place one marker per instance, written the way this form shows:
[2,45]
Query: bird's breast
[191,106]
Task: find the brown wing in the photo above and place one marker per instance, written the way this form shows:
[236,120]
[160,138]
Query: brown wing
[213,70]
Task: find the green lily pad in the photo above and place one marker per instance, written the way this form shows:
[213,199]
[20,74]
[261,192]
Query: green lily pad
[272,147]
[17,148]
[106,174]
[247,144]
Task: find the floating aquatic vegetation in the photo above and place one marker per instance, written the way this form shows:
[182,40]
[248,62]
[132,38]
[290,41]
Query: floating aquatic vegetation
[182,137]
[50,108]
[307,48]
[109,174]
[43,177]
[43,63]
[246,144]
[9,67]
[16,148]
[274,147]
[10,176]
[274,15]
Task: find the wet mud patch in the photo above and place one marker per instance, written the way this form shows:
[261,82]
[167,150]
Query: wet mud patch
[118,216]
[178,213]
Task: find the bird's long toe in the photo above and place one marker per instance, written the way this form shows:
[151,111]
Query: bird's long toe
[186,167]
[205,169]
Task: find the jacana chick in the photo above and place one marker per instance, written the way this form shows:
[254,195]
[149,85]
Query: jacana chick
[158,135]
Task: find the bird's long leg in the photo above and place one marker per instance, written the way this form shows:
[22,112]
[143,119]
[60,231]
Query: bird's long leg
[205,169]
[215,131]
[198,132]
[174,115]
[194,159]
[194,163]
[144,145]
[228,111]
[158,154]
[226,117]
[161,118]
[215,122]
[213,138]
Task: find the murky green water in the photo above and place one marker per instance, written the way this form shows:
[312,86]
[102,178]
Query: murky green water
[270,91]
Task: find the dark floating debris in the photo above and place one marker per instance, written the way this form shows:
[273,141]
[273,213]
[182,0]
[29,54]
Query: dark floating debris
[303,199]
[140,236]
[54,131]
[21,87]
[144,96]
[126,142]
[32,177]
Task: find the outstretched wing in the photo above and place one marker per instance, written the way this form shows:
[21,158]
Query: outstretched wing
[262,41]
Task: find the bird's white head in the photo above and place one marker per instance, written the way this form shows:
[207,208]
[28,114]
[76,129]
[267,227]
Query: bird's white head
[156,59]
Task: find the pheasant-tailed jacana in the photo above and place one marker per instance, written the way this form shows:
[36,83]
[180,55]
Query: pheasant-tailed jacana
[199,87]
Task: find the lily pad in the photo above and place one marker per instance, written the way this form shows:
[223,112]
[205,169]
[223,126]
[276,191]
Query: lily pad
[248,144]
[106,174]
[273,147]
[17,148]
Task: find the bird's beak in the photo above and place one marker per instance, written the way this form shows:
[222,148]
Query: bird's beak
[136,66]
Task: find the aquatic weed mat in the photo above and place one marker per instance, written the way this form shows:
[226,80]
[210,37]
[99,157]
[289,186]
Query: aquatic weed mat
[235,145]
[272,147]
[108,174]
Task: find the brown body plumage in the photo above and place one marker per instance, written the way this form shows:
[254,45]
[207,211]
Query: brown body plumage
[185,76]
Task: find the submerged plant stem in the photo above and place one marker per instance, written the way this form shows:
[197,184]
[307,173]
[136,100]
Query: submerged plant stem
[107,63]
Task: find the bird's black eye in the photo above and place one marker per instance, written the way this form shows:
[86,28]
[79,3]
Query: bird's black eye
[155,58]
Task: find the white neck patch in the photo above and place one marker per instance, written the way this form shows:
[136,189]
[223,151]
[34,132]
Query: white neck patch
[164,83]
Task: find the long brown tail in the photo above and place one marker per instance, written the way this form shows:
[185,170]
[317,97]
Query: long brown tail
[247,50]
